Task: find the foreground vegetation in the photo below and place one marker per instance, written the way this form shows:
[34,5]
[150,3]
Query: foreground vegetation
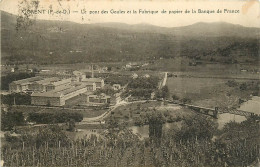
[16,99]
[197,143]
[12,119]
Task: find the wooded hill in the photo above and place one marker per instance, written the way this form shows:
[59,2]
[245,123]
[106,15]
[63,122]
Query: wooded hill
[68,42]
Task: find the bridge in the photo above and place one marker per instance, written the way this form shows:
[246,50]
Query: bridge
[237,112]
[214,112]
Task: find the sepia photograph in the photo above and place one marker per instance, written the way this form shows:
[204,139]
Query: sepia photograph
[119,83]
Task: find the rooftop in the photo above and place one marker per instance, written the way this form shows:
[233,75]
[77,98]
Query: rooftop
[27,80]
[61,91]
[92,80]
[84,83]
[47,80]
[100,96]
[60,82]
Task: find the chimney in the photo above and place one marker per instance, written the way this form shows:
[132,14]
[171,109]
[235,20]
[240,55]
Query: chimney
[92,71]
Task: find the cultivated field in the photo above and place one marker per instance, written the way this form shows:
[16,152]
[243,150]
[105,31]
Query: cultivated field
[207,92]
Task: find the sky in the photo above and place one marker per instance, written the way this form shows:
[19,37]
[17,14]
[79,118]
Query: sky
[249,11]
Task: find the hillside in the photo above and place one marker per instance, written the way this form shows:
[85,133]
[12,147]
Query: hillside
[69,42]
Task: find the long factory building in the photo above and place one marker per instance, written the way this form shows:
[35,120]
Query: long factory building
[59,96]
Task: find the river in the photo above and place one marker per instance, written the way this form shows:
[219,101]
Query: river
[252,105]
[226,117]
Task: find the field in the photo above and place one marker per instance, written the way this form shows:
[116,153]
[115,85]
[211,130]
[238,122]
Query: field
[208,92]
[180,66]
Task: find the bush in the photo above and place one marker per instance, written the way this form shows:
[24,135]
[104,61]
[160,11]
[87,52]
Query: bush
[71,124]
[57,117]
[163,93]
[11,119]
[196,127]
[232,83]
[175,97]
[186,100]
[144,83]
[19,98]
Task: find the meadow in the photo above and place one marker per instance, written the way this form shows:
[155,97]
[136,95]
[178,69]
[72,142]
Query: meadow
[207,92]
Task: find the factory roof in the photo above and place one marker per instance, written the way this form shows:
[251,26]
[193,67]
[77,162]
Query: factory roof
[47,81]
[60,82]
[83,83]
[27,80]
[102,96]
[61,91]
[92,80]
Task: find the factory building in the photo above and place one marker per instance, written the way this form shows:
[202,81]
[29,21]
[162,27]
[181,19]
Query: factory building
[40,86]
[91,86]
[98,81]
[98,99]
[57,97]
[37,84]
[57,84]
[22,85]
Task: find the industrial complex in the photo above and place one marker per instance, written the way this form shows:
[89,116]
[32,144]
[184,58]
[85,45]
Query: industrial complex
[56,89]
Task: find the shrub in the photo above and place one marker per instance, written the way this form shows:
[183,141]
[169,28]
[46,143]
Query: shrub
[57,117]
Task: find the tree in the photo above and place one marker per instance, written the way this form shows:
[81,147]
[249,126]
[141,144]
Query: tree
[165,92]
[20,99]
[11,119]
[243,86]
[72,126]
[16,68]
[196,127]
[54,117]
[186,100]
[175,97]
[51,135]
[155,127]
[48,103]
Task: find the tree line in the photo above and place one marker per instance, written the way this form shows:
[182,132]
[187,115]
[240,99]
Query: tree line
[11,119]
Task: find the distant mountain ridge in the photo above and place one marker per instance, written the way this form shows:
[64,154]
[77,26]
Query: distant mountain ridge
[52,41]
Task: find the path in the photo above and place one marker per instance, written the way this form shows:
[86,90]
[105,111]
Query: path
[164,81]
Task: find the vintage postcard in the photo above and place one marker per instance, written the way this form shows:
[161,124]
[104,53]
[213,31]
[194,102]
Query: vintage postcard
[142,83]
